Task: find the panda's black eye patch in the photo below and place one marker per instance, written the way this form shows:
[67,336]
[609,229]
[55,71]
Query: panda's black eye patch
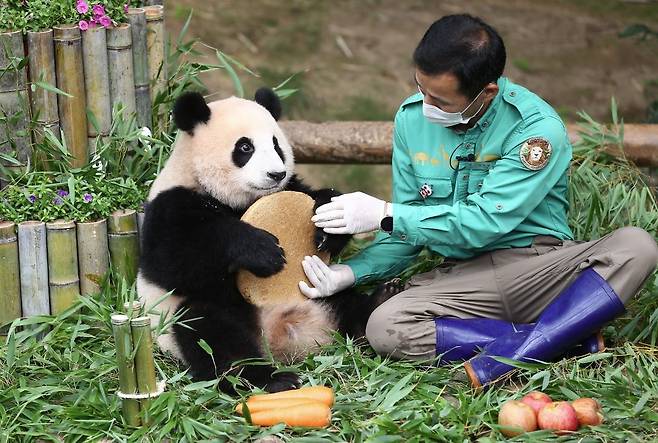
[242,152]
[277,148]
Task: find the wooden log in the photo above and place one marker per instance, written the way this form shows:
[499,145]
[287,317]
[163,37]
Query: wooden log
[10,282]
[144,364]
[41,50]
[124,243]
[63,278]
[70,78]
[137,20]
[33,260]
[157,66]
[93,255]
[126,364]
[122,79]
[97,84]
[370,142]
[14,103]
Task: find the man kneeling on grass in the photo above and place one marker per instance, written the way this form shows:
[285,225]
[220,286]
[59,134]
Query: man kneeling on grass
[480,176]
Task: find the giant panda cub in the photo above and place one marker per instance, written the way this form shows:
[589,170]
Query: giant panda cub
[228,154]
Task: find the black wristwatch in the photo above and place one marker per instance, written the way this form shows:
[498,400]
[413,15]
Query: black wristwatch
[386,224]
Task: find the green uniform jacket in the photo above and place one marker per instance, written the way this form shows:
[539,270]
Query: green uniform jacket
[513,188]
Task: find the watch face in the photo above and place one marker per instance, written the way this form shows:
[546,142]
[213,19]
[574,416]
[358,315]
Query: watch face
[387,224]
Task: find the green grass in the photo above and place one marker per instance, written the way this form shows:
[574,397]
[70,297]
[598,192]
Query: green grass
[63,385]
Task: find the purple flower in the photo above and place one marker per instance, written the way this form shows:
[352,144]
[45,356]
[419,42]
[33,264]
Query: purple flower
[105,21]
[98,10]
[62,193]
[125,8]
[82,7]
[58,201]
[32,198]
[87,198]
[83,25]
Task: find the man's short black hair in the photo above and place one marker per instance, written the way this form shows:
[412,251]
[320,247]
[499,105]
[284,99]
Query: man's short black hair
[465,46]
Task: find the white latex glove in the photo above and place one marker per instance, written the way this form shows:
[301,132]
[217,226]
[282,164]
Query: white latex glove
[352,213]
[327,280]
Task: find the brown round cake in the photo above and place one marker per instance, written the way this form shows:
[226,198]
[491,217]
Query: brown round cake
[287,215]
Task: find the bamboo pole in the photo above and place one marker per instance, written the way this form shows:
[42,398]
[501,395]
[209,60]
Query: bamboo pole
[93,255]
[10,282]
[153,2]
[137,20]
[124,243]
[126,364]
[70,78]
[144,364]
[155,47]
[14,137]
[122,79]
[62,265]
[33,260]
[134,308]
[41,66]
[97,84]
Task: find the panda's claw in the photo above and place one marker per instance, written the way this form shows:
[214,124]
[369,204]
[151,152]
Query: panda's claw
[264,256]
[283,381]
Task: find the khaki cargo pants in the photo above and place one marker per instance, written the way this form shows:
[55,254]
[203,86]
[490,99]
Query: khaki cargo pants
[510,284]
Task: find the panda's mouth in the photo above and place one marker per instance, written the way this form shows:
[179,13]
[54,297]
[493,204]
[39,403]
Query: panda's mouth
[265,189]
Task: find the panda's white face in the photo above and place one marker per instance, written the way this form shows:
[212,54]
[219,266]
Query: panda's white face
[240,154]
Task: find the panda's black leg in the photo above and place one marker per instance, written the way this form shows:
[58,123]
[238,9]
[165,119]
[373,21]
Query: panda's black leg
[232,333]
[352,310]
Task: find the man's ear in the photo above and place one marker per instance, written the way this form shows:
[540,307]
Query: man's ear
[268,99]
[189,111]
[490,91]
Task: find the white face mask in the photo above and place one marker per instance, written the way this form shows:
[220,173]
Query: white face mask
[439,116]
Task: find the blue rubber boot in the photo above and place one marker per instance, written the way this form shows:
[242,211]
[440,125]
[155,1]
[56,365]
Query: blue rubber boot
[458,339]
[582,308]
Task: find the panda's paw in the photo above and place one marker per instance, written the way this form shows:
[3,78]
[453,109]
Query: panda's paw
[263,256]
[332,243]
[283,381]
[387,290]
[323,196]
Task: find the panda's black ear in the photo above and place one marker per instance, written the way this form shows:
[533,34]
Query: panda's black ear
[190,109]
[268,99]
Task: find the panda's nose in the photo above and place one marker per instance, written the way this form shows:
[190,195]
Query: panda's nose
[277,176]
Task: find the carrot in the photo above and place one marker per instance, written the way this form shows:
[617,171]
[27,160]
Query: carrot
[262,405]
[323,394]
[309,415]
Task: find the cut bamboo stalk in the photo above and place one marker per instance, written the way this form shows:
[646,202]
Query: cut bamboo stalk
[137,20]
[14,137]
[126,365]
[155,47]
[122,79]
[97,83]
[10,282]
[153,2]
[62,265]
[70,78]
[42,68]
[134,308]
[33,260]
[124,243]
[144,365]
[93,255]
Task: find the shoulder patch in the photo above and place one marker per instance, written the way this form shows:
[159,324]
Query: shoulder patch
[535,153]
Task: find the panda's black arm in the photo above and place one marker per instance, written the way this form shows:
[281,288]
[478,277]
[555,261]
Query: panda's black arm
[325,242]
[192,247]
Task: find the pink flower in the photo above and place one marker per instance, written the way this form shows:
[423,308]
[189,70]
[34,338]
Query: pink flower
[105,21]
[98,10]
[82,7]
[125,8]
[83,25]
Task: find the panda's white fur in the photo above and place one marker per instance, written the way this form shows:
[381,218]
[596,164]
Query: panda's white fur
[202,162]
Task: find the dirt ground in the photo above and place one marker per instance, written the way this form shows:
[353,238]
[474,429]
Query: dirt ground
[352,59]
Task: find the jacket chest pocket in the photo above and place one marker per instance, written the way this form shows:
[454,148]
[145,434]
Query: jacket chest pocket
[434,190]
[478,172]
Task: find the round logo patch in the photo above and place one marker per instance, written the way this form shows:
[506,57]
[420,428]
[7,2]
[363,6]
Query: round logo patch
[535,153]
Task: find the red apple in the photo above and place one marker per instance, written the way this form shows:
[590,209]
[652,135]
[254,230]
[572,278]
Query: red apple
[536,400]
[516,418]
[588,411]
[559,416]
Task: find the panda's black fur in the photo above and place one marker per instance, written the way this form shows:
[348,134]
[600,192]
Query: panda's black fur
[193,244]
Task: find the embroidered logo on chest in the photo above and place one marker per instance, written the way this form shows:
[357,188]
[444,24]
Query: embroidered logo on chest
[425,190]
